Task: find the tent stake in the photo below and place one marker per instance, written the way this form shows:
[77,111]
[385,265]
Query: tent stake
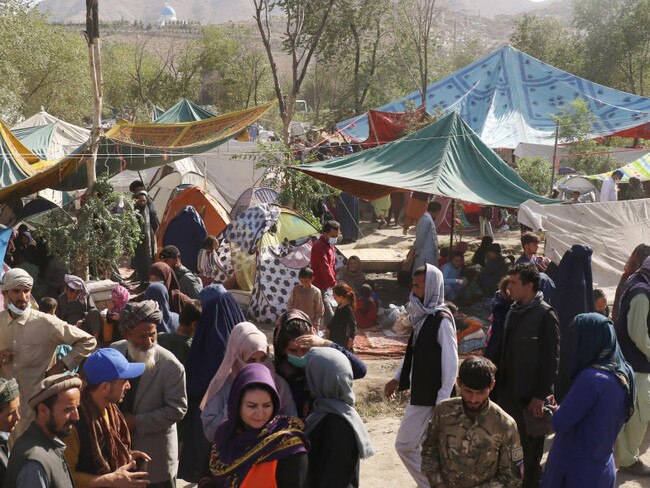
[453,223]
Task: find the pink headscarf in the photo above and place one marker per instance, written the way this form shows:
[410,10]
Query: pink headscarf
[120,296]
[244,341]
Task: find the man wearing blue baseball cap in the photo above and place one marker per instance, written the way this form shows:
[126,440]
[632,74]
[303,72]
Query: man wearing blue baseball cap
[98,450]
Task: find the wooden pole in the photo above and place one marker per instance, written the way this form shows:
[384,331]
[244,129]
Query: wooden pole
[453,224]
[557,133]
[92,38]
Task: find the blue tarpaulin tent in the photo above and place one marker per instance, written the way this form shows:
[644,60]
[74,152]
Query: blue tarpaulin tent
[508,97]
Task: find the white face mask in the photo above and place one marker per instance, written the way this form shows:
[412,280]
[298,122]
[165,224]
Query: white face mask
[14,309]
[332,240]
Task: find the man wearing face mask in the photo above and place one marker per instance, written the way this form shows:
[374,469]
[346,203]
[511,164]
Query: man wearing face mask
[28,340]
[323,263]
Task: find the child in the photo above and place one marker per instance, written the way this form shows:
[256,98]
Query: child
[343,327]
[208,261]
[366,311]
[180,342]
[48,305]
[600,302]
[307,298]
[444,256]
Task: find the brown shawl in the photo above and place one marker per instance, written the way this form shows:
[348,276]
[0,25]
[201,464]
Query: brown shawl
[176,297]
[113,436]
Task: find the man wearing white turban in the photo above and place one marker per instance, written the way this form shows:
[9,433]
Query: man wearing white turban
[429,366]
[28,339]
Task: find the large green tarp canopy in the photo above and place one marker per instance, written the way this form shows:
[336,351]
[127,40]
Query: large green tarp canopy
[184,111]
[445,158]
[37,139]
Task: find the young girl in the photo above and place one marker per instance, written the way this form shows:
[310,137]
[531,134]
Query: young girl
[208,260]
[343,327]
[366,311]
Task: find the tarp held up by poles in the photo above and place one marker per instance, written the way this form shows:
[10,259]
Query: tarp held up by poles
[508,97]
[445,158]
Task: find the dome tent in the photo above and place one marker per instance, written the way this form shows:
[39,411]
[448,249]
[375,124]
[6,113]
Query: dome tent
[251,197]
[264,248]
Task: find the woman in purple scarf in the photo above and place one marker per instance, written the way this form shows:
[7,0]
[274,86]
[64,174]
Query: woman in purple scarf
[255,447]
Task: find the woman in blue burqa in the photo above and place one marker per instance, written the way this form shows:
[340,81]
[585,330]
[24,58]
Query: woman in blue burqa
[221,313]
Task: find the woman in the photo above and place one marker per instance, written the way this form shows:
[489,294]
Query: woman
[246,345]
[221,313]
[634,262]
[76,307]
[500,306]
[635,189]
[163,272]
[157,292]
[352,273]
[208,261]
[481,251]
[599,402]
[292,339]
[255,447]
[336,432]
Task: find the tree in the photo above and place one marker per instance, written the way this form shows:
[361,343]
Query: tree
[550,40]
[616,35]
[536,172]
[574,128]
[305,21]
[416,21]
[297,190]
[97,234]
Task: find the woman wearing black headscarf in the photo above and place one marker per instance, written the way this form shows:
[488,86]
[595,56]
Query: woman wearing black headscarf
[599,402]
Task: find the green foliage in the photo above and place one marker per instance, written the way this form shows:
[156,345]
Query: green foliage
[297,190]
[536,172]
[550,40]
[98,233]
[41,65]
[574,124]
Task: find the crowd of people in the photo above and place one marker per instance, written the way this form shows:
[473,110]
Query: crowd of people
[171,382]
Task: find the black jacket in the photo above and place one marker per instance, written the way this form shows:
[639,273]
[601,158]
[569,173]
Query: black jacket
[530,352]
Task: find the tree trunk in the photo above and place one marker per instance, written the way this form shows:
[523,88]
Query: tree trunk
[94,58]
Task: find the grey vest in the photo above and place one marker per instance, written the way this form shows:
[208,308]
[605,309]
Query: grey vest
[33,445]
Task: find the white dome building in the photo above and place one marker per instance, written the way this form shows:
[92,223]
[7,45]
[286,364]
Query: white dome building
[167,14]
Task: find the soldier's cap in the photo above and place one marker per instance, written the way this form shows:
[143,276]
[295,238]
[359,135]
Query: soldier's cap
[53,385]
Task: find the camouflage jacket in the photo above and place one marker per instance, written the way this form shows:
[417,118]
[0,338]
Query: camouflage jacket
[461,453]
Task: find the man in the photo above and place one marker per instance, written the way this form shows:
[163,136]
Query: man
[9,416]
[608,190]
[529,244]
[452,274]
[135,187]
[428,368]
[157,399]
[28,340]
[323,264]
[472,441]
[426,239]
[634,337]
[146,250]
[99,447]
[529,361]
[189,283]
[37,459]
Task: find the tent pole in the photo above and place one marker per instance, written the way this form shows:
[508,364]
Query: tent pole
[557,133]
[453,223]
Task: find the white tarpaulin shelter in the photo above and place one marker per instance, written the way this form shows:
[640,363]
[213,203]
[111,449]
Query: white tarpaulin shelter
[611,229]
[63,139]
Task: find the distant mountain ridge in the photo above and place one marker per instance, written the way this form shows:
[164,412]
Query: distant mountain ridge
[221,11]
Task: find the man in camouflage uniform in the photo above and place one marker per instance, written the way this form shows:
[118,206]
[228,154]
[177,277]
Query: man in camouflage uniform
[471,441]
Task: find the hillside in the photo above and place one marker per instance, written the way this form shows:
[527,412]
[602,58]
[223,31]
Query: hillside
[220,11]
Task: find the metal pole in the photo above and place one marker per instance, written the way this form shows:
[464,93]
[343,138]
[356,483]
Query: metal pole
[557,133]
[453,223]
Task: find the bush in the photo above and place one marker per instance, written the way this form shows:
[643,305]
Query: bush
[537,173]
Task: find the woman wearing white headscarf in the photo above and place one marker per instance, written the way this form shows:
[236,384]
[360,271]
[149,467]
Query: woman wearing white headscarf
[246,344]
[429,366]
